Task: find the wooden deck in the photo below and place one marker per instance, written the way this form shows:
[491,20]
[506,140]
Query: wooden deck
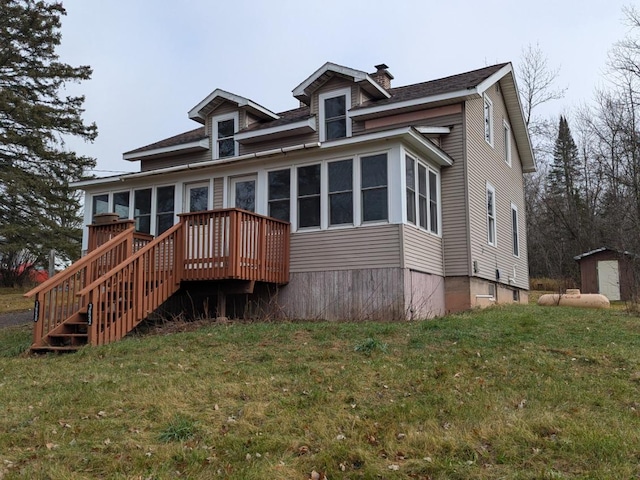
[127,275]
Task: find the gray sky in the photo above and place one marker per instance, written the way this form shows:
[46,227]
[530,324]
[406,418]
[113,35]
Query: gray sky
[154,60]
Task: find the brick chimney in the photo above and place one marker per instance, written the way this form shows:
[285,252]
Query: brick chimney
[382,76]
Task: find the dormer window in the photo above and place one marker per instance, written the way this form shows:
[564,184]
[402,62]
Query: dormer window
[334,114]
[224,129]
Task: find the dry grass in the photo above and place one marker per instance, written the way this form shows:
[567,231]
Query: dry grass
[519,392]
[12,300]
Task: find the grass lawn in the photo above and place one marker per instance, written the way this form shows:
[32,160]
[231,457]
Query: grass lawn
[12,300]
[519,392]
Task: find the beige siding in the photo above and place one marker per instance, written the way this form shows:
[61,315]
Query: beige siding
[343,249]
[422,251]
[486,164]
[218,192]
[173,161]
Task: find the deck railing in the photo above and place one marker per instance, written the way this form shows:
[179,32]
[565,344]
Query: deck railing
[128,293]
[56,299]
[125,279]
[235,244]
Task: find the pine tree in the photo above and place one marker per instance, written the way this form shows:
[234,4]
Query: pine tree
[38,212]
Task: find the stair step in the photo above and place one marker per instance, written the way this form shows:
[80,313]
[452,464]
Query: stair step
[54,335]
[51,348]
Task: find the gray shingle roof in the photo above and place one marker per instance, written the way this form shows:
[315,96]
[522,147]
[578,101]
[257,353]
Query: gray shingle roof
[440,86]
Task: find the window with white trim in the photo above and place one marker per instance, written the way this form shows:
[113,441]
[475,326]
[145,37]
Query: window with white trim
[514,231]
[142,210]
[340,192]
[491,216]
[165,207]
[488,120]
[309,196]
[423,208]
[373,183]
[224,130]
[507,142]
[99,204]
[334,114]
[410,175]
[121,204]
[279,194]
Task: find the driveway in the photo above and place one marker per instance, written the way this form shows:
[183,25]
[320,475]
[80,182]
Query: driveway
[15,318]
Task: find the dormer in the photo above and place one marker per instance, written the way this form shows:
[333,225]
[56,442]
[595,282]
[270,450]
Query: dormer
[224,114]
[330,94]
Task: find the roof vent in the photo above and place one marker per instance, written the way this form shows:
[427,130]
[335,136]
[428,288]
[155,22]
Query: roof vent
[382,76]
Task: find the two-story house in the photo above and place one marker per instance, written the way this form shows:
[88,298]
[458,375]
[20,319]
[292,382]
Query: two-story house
[380,202]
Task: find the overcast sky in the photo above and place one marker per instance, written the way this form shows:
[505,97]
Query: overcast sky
[154,60]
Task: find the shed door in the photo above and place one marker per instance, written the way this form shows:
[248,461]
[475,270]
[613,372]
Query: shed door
[609,279]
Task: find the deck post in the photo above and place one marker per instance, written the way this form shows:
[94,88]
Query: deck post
[221,308]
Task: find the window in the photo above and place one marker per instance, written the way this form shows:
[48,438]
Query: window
[334,114]
[142,210]
[425,210]
[165,202]
[100,204]
[514,230]
[280,194]
[121,204]
[341,192]
[197,198]
[422,195]
[309,196]
[410,175]
[224,129]
[488,120]
[507,143]
[373,182]
[433,202]
[491,215]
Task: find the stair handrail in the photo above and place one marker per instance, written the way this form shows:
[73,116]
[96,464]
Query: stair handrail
[129,260]
[79,264]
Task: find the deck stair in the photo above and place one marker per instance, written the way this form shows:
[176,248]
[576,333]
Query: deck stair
[107,293]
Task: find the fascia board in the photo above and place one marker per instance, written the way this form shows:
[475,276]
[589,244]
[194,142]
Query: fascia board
[309,124]
[183,148]
[195,112]
[459,94]
[406,133]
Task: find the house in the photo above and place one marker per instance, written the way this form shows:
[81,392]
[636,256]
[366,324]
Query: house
[613,273]
[370,201]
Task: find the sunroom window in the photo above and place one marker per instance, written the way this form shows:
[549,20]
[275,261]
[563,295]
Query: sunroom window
[100,204]
[165,203]
[309,196]
[142,210]
[121,204]
[375,205]
[422,209]
[341,192]
[280,194]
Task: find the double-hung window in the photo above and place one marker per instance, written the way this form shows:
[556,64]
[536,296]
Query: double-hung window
[491,216]
[280,194]
[334,114]
[309,196]
[341,192]
[373,181]
[422,209]
[514,231]
[488,120]
[224,130]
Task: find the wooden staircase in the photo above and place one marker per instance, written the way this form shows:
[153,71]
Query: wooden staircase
[107,293]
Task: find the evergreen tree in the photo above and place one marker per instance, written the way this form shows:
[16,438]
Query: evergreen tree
[564,175]
[38,212]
